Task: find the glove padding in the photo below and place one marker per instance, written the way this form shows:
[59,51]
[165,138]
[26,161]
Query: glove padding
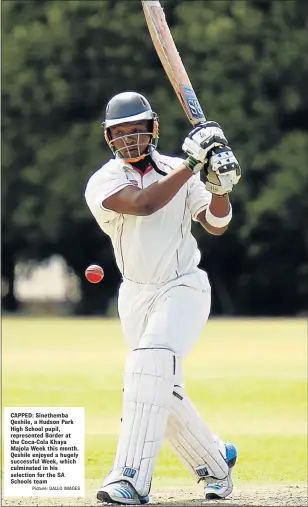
[202,139]
[222,171]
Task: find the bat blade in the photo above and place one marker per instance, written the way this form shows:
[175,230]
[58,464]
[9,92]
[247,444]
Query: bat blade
[171,60]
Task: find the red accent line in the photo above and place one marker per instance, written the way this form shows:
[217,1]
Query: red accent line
[148,169]
[137,170]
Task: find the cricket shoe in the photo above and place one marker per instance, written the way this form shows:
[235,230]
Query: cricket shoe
[121,492]
[222,488]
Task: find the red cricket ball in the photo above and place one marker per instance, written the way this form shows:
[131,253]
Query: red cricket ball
[94,273]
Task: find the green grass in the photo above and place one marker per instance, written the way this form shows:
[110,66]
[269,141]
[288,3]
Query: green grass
[247,378]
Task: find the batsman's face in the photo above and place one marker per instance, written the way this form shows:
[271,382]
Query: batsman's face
[131,139]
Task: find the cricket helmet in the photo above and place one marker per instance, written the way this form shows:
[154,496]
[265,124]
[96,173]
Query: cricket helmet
[130,107]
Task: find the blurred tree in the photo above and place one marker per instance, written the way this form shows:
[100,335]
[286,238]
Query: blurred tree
[60,65]
[252,75]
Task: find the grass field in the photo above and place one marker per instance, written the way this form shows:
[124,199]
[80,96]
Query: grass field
[247,378]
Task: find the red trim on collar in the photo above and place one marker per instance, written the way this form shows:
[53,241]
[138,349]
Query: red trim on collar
[148,169]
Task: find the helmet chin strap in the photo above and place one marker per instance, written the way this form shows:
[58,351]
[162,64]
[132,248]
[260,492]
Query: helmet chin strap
[136,159]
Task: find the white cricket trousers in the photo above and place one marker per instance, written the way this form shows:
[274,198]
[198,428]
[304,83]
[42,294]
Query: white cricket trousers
[169,316]
[161,324]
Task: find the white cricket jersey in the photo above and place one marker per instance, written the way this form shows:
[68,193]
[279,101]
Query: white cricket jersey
[150,249]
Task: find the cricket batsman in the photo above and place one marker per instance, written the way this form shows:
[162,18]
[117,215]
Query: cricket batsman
[145,202]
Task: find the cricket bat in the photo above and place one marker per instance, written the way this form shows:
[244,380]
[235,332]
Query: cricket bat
[171,60]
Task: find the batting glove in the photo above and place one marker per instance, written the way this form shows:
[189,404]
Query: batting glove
[202,139]
[222,171]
